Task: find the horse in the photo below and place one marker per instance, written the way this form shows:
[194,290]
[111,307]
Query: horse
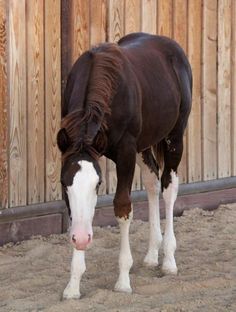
[130,102]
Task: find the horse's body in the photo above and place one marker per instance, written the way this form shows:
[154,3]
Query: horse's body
[123,101]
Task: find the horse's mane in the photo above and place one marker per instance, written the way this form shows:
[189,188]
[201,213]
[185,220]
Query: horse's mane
[86,126]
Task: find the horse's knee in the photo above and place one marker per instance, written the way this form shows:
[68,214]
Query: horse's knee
[122,208]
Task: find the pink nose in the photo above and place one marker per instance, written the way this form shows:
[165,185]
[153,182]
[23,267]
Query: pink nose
[81,240]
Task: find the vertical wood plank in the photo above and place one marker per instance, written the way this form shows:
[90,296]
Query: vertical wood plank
[209,89]
[66,33]
[97,35]
[3,108]
[224,94]
[80,27]
[52,97]
[116,20]
[180,34]
[165,20]
[111,177]
[35,97]
[149,16]
[17,102]
[97,21]
[233,88]
[132,16]
[103,165]
[194,128]
[180,23]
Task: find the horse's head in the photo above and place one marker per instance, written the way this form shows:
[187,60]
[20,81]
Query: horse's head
[80,178]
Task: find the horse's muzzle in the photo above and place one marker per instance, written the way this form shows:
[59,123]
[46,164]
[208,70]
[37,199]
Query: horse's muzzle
[81,239]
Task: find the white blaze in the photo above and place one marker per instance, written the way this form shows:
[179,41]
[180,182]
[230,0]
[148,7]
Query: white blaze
[82,197]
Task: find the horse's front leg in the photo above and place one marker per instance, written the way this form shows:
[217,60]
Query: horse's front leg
[125,166]
[125,257]
[78,267]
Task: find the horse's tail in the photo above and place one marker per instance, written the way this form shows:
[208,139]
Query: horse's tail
[183,74]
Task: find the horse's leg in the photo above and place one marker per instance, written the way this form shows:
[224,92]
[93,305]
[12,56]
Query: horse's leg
[72,290]
[125,165]
[125,257]
[169,181]
[152,186]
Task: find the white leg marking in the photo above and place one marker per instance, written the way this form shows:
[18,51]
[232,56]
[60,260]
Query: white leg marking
[125,258]
[152,186]
[72,290]
[170,195]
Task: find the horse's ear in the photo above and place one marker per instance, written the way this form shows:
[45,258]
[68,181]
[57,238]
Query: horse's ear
[63,140]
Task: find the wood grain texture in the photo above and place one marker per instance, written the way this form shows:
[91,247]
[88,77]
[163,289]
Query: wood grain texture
[180,22]
[3,108]
[111,177]
[164,17]
[180,34]
[17,104]
[132,16]
[98,21]
[66,41]
[194,127]
[209,89]
[35,100]
[224,92]
[52,97]
[80,28]
[149,16]
[103,165]
[116,20]
[233,88]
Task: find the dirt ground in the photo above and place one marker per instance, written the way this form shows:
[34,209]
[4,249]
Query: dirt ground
[34,273]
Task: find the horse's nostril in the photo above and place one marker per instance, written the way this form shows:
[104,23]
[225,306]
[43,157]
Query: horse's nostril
[73,239]
[89,237]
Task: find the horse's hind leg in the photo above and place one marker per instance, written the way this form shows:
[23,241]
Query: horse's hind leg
[173,149]
[152,186]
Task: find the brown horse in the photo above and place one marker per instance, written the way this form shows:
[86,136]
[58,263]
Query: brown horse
[130,102]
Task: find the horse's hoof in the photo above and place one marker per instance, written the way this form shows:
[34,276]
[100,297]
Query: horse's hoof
[151,260]
[122,288]
[169,266]
[168,269]
[70,296]
[70,293]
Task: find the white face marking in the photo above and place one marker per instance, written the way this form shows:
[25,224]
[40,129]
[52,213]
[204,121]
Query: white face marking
[82,195]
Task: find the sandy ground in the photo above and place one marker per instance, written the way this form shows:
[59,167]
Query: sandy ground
[34,273]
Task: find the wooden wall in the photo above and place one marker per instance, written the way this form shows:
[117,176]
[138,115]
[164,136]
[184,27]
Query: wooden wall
[39,41]
[31,68]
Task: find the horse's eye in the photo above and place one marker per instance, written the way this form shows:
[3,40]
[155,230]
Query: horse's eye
[63,185]
[97,187]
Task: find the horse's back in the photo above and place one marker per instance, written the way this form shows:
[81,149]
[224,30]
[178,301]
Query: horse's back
[164,76]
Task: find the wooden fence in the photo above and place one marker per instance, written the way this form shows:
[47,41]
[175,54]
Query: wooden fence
[30,66]
[39,41]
